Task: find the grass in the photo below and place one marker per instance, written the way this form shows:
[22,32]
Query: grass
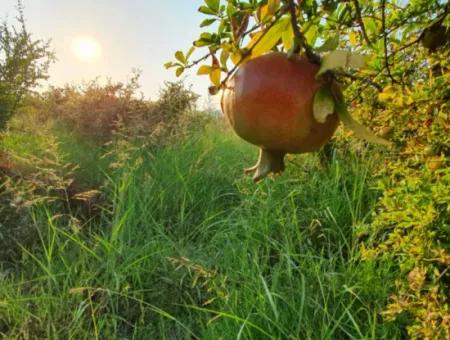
[190,248]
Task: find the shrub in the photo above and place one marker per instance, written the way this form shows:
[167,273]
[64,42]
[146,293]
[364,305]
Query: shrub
[100,112]
[411,225]
[23,63]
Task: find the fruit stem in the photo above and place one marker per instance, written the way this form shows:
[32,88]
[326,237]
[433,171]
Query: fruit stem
[268,162]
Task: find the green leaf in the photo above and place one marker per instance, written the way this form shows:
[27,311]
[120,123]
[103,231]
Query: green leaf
[207,22]
[222,27]
[231,9]
[180,57]
[214,5]
[311,34]
[340,58]
[202,43]
[169,65]
[179,71]
[206,10]
[204,40]
[323,104]
[189,53]
[359,130]
[370,25]
[330,44]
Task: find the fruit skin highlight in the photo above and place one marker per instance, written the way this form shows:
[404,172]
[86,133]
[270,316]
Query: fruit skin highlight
[269,103]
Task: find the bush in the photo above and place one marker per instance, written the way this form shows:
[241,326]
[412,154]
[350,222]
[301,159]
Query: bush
[99,112]
[23,63]
[411,225]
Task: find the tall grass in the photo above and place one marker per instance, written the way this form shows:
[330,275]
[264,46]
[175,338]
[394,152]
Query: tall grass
[190,248]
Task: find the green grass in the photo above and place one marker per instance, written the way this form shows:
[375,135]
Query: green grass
[191,248]
[85,153]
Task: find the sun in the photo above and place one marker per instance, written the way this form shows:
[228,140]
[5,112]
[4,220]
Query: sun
[86,48]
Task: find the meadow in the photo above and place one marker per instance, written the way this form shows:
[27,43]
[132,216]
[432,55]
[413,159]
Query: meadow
[174,242]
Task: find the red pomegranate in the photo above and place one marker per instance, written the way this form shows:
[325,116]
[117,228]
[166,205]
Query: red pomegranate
[269,103]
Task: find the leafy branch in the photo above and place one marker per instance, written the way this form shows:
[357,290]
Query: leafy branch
[385,44]
[248,52]
[361,22]
[299,37]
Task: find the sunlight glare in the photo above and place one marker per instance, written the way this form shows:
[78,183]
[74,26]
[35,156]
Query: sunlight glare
[86,48]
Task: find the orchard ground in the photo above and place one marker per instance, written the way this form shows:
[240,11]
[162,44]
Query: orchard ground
[180,244]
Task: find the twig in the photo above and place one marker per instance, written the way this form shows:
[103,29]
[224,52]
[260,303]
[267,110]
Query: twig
[249,51]
[299,37]
[359,78]
[371,17]
[386,58]
[361,23]
[404,47]
[195,62]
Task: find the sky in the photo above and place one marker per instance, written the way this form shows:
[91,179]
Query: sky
[141,34]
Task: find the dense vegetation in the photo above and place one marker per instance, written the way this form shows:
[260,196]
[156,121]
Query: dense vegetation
[178,242]
[393,58]
[126,218]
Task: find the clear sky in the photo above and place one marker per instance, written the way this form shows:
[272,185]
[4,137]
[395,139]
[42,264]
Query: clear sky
[131,34]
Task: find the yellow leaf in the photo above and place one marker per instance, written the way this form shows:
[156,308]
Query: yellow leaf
[383,97]
[387,94]
[263,12]
[353,37]
[215,76]
[409,100]
[263,43]
[179,71]
[180,57]
[255,37]
[272,6]
[287,38]
[235,57]
[204,69]
[224,55]
[399,100]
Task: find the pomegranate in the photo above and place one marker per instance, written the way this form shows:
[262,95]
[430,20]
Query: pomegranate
[269,103]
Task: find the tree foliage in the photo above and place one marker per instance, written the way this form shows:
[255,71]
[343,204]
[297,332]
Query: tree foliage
[23,63]
[385,32]
[392,59]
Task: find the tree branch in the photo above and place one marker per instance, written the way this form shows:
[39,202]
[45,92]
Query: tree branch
[359,78]
[404,47]
[361,23]
[383,23]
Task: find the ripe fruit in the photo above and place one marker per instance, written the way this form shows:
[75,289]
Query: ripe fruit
[269,103]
